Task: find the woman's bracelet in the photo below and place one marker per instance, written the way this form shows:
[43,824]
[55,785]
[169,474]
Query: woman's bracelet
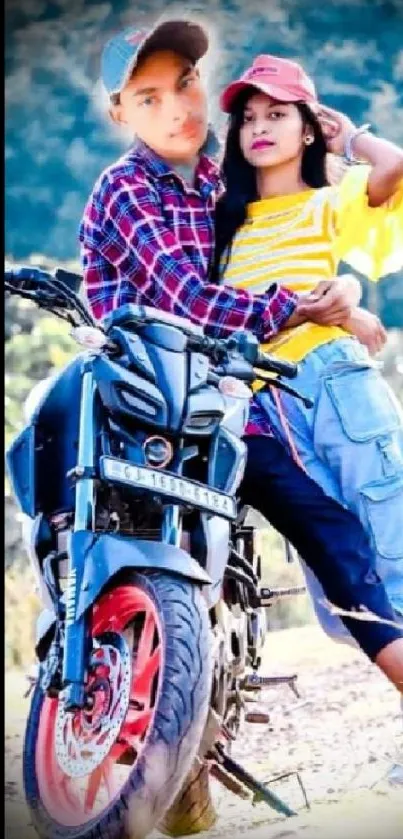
[348,147]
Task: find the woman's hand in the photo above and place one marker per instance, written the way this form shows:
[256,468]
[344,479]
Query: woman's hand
[336,127]
[368,329]
[332,301]
[385,158]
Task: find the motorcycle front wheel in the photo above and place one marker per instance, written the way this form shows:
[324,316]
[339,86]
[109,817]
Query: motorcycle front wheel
[113,768]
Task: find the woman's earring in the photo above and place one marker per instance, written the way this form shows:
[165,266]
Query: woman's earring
[309,140]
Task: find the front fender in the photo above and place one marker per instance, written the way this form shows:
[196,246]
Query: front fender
[106,554]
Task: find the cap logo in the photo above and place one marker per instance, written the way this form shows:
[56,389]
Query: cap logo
[265,70]
[134,38]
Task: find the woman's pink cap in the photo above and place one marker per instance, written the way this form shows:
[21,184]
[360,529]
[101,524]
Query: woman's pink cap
[279,78]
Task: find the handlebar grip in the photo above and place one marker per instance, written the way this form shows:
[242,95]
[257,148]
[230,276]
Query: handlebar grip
[274,365]
[206,345]
[23,273]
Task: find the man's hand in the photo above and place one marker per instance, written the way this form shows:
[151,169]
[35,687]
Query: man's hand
[332,302]
[368,329]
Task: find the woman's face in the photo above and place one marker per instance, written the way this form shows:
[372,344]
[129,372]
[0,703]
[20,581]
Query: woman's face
[272,133]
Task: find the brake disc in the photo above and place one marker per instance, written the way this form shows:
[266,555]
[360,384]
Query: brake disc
[84,737]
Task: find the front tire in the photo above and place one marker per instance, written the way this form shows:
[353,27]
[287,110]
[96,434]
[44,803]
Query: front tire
[154,708]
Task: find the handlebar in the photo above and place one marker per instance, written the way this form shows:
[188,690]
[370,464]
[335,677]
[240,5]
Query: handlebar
[60,288]
[31,278]
[27,276]
[56,291]
[245,345]
[213,347]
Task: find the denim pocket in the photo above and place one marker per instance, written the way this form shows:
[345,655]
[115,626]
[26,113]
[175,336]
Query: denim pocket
[383,510]
[364,402]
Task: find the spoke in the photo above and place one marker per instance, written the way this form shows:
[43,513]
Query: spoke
[118,749]
[144,678]
[103,774]
[108,776]
[70,793]
[94,783]
[136,727]
[146,641]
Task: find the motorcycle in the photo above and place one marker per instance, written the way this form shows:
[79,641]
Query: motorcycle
[127,473]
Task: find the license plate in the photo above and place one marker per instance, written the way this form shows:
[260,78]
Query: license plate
[170,486]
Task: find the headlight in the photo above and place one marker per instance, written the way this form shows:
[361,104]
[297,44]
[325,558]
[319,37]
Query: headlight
[157,452]
[201,420]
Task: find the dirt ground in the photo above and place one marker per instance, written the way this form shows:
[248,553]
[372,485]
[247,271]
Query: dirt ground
[341,735]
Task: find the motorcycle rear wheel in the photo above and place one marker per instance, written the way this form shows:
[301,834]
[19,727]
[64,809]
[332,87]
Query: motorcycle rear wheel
[193,809]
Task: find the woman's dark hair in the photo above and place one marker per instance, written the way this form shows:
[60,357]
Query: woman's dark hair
[240,176]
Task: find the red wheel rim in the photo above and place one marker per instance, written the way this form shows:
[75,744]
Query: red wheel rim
[72,801]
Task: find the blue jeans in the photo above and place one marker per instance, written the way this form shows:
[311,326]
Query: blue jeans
[330,539]
[351,444]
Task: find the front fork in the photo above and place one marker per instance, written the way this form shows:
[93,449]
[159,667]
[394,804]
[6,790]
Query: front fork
[76,649]
[77,638]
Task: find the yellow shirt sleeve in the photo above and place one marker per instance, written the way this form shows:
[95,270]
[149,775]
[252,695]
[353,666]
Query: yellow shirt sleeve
[370,239]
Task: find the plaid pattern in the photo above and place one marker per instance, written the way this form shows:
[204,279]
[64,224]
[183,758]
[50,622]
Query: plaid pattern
[259,422]
[147,237]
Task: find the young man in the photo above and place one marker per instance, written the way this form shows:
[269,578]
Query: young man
[147,236]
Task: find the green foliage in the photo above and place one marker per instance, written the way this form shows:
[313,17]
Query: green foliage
[35,344]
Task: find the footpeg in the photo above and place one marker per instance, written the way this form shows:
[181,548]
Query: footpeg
[257,716]
[269,596]
[255,682]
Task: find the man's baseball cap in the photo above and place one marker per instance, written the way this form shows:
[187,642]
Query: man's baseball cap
[121,54]
[279,78]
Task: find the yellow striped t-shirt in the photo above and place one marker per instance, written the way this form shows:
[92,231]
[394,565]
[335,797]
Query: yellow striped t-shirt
[298,240]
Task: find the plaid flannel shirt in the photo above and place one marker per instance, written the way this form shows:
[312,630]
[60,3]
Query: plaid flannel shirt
[147,237]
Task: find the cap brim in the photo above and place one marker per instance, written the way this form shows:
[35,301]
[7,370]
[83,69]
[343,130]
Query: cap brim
[181,36]
[231,93]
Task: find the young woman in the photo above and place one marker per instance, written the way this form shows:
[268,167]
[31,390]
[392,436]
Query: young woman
[280,221]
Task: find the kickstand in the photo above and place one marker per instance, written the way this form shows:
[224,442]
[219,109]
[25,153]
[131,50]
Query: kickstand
[290,775]
[261,793]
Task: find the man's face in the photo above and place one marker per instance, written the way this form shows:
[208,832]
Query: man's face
[164,105]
